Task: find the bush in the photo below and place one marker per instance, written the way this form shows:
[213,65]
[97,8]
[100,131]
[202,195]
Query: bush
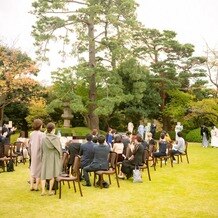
[193,136]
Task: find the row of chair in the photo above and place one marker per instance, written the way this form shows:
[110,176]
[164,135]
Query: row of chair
[12,151]
[74,175]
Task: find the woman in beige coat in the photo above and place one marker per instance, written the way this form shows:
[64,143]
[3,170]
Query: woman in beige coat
[51,158]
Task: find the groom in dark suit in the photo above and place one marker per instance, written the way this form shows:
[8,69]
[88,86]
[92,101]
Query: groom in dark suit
[100,161]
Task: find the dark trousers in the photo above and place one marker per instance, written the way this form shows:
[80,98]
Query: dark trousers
[86,171]
[173,152]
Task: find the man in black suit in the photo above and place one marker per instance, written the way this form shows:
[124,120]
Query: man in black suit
[100,161]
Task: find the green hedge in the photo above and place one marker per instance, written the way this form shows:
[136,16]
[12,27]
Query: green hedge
[193,136]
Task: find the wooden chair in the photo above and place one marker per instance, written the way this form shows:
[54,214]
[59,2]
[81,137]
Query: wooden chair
[146,163]
[164,158]
[19,146]
[9,151]
[75,177]
[3,162]
[112,170]
[183,154]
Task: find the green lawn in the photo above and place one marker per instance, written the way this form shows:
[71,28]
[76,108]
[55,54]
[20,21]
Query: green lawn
[186,190]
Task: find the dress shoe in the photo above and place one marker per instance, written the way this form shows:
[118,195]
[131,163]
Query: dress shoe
[87,184]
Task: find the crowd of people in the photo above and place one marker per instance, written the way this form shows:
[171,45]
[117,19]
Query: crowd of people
[50,157]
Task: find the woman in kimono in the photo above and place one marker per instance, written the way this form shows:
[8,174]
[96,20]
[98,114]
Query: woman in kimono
[51,158]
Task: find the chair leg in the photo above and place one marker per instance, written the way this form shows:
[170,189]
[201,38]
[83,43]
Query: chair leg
[187,158]
[148,171]
[180,158]
[118,184]
[60,190]
[80,190]
[74,186]
[161,162]
[171,161]
[68,184]
[109,177]
[94,179]
[101,181]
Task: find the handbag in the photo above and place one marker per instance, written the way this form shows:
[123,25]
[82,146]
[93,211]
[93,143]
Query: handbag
[137,176]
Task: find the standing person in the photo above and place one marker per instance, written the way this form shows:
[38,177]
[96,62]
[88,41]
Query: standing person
[7,132]
[178,128]
[141,129]
[35,144]
[205,136]
[130,127]
[100,160]
[153,129]
[214,137]
[51,158]
[109,137]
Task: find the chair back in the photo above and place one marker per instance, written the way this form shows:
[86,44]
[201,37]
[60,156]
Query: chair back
[8,150]
[146,155]
[76,166]
[113,159]
[18,146]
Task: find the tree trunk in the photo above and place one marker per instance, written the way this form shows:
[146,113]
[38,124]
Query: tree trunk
[93,118]
[1,115]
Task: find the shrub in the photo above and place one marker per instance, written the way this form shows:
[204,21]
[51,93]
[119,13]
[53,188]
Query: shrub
[193,136]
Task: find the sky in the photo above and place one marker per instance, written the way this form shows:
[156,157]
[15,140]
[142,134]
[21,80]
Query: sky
[194,21]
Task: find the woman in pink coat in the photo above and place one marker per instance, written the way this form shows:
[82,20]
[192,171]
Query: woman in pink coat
[35,144]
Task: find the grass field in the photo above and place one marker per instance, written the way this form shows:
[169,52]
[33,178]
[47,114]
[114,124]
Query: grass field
[186,190]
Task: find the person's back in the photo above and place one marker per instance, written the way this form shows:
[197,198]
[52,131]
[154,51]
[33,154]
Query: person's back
[101,153]
[87,151]
[73,148]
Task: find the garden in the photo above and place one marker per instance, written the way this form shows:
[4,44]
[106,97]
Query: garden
[186,190]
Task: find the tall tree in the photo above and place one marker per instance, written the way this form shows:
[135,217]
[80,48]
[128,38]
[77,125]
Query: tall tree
[94,30]
[15,81]
[171,62]
[212,66]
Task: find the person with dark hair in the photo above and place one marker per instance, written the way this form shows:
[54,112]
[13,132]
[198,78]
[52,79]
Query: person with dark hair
[7,132]
[99,162]
[162,146]
[135,159]
[179,147]
[35,144]
[109,137]
[205,134]
[87,151]
[51,153]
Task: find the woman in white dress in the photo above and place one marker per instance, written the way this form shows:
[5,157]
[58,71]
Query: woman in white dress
[214,137]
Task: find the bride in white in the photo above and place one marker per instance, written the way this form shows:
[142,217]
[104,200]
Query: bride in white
[214,137]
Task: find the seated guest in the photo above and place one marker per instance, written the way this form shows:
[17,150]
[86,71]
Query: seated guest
[162,144]
[179,147]
[126,141]
[151,144]
[73,149]
[22,138]
[100,160]
[136,158]
[87,151]
[118,147]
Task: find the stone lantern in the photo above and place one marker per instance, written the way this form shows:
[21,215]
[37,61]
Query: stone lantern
[67,115]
